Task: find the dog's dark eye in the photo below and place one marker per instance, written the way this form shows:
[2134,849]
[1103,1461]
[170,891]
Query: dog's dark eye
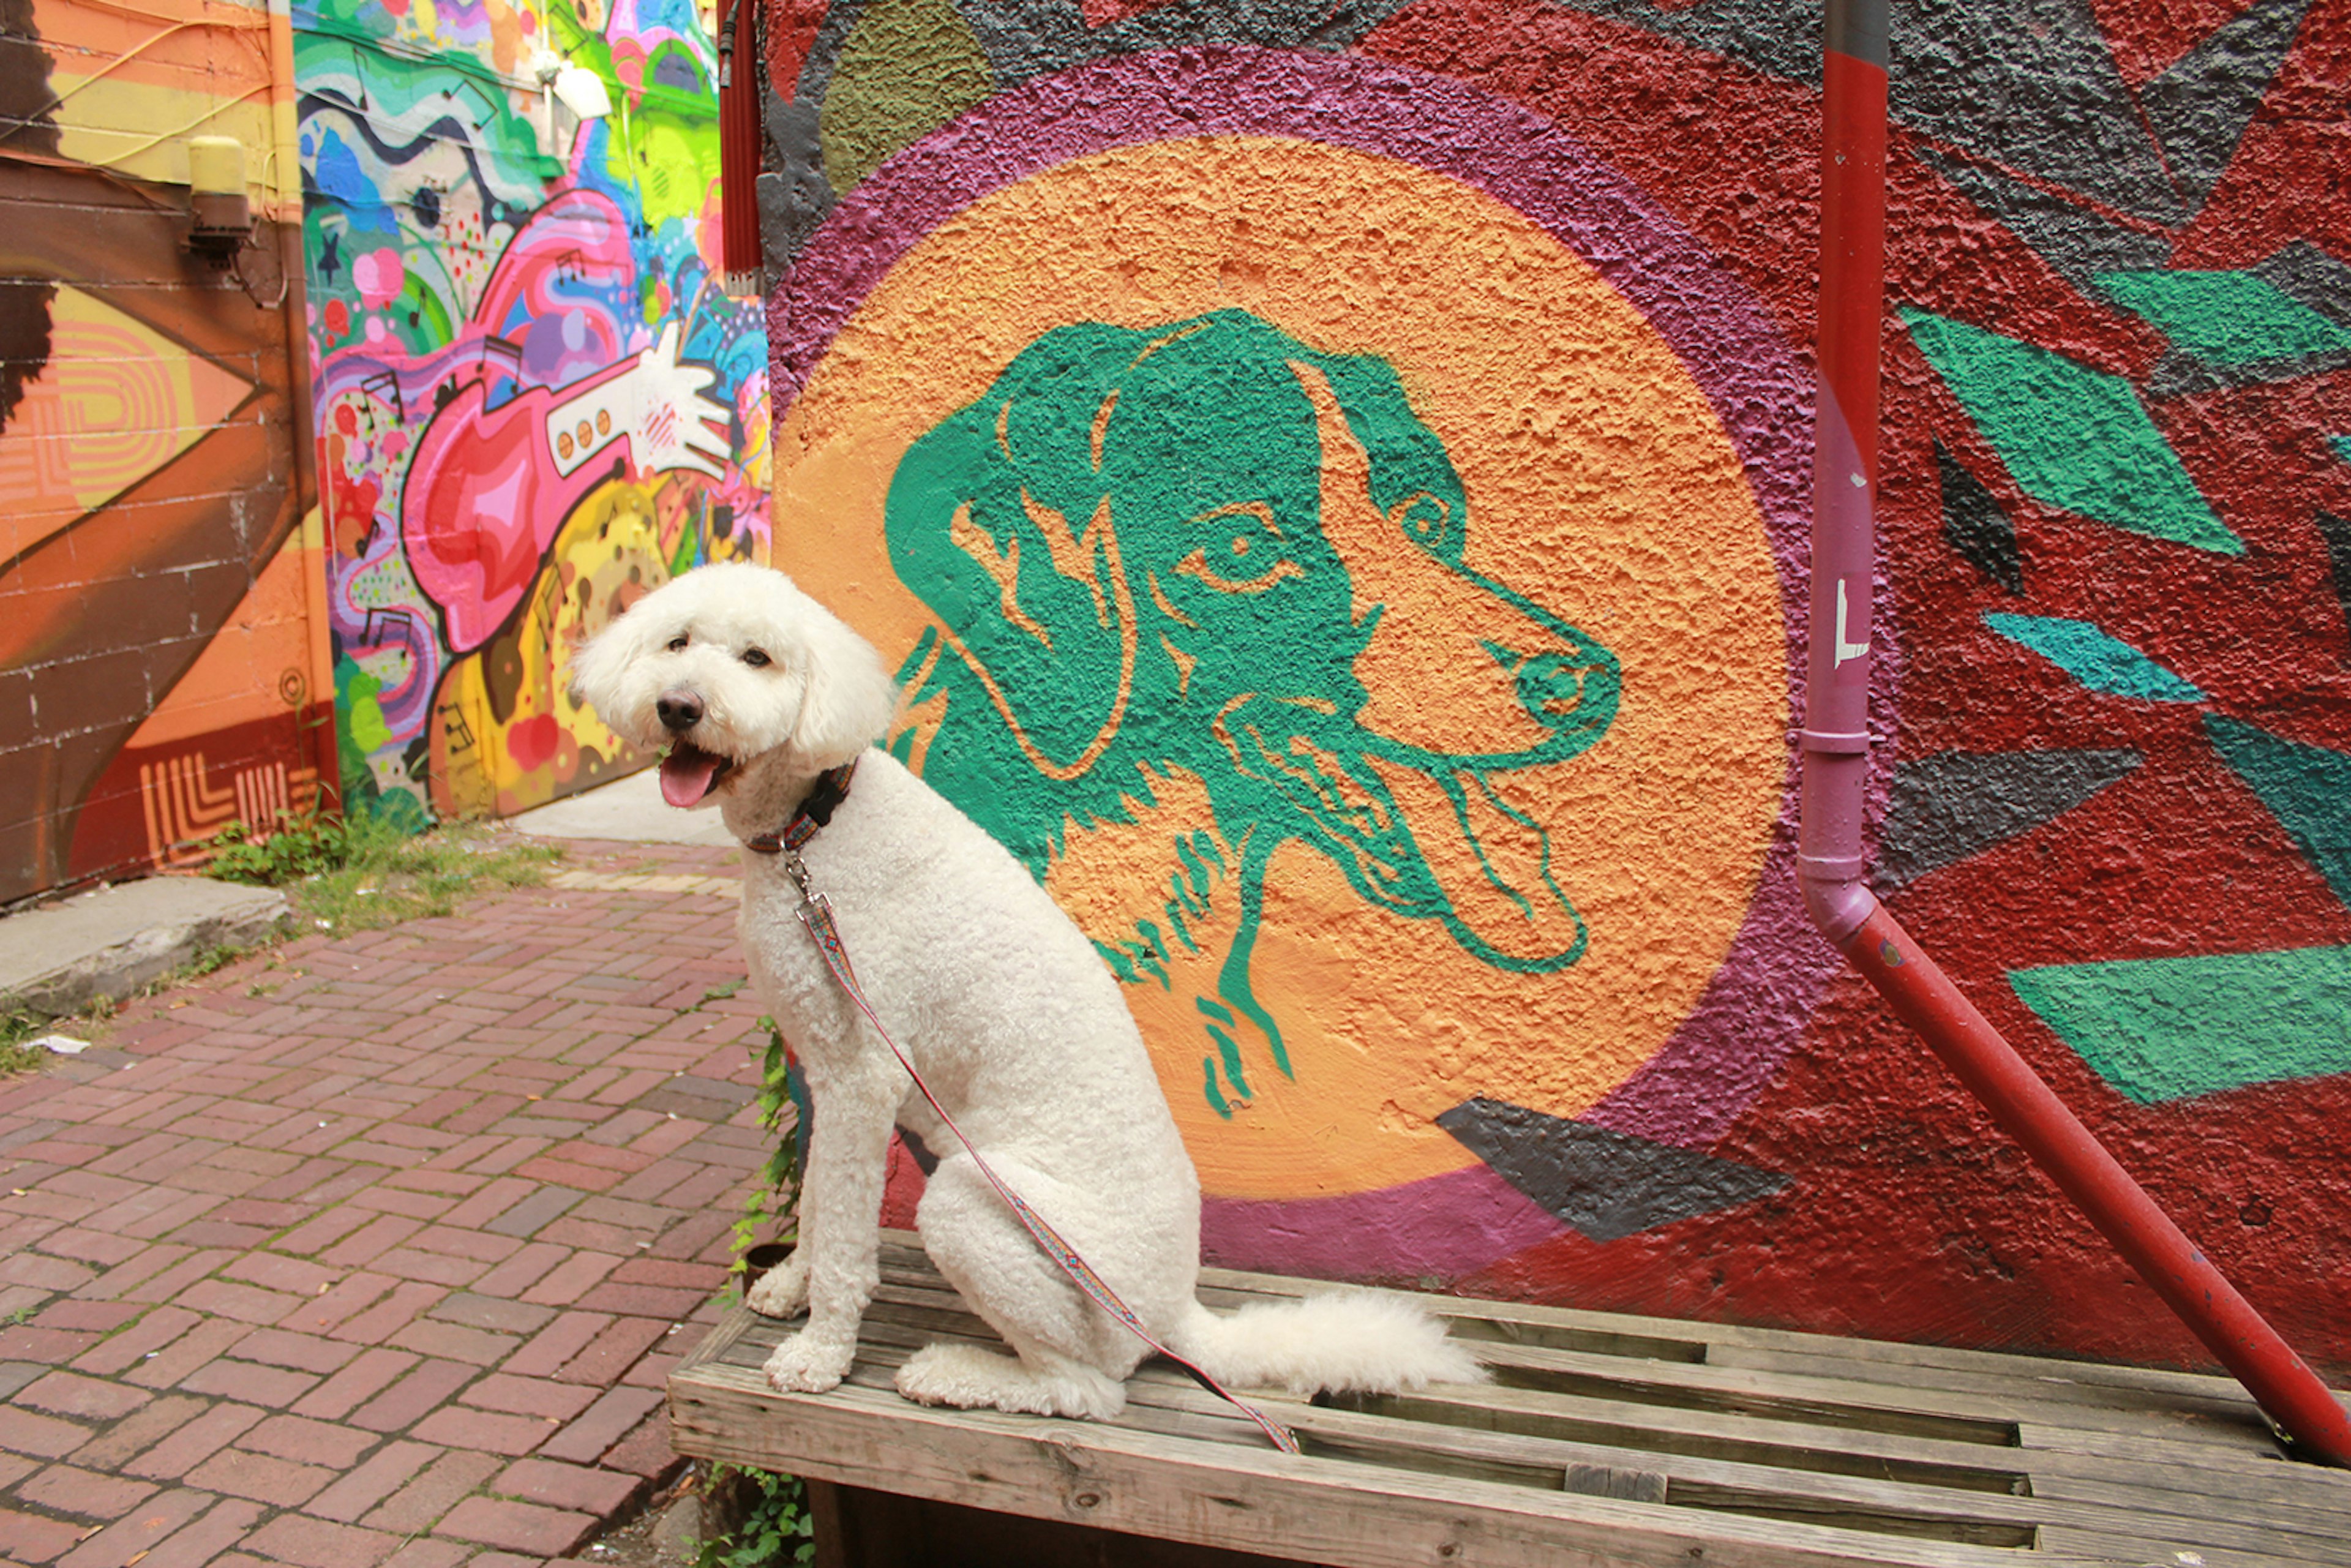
[756,659]
[675,644]
[1248,558]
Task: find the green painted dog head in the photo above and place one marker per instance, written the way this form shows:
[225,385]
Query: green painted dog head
[1181,548]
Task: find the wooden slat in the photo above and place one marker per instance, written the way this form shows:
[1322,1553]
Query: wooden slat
[2097,1469]
[1248,1499]
[1606,1439]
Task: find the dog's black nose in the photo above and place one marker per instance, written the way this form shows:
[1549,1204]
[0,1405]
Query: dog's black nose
[680,710]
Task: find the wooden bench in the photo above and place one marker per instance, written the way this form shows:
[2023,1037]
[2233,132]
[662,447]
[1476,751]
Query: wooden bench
[1603,1439]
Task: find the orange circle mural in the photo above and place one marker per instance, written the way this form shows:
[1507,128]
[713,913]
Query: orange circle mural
[1585,899]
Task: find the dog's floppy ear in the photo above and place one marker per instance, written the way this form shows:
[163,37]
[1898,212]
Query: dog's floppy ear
[1000,520]
[849,698]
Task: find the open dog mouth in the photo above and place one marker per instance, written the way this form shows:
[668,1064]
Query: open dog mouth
[689,773]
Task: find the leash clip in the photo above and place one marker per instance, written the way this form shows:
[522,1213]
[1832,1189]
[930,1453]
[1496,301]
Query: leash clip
[796,868]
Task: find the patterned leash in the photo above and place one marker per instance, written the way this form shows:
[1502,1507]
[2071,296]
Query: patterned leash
[816,913]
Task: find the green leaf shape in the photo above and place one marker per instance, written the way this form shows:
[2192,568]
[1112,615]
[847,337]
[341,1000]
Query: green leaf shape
[2097,660]
[2224,318]
[2072,437]
[2166,1028]
[2306,788]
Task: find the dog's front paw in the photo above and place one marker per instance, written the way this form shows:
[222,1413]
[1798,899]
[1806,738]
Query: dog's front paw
[806,1364]
[782,1290]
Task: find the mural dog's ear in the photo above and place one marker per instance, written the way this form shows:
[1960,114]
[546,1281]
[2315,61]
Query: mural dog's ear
[997,519]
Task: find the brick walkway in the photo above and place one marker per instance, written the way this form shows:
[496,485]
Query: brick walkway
[379,1255]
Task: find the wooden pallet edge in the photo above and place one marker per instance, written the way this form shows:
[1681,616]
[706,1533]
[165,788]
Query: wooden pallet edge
[2253,1474]
[1143,1483]
[2104,1503]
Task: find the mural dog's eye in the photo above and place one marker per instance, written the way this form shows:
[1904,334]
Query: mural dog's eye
[1250,560]
[1426,521]
[756,659]
[677,644]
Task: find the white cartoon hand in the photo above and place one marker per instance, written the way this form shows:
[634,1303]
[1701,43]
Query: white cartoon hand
[672,427]
[655,402]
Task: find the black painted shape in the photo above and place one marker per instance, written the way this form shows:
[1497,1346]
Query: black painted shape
[2031,84]
[2310,278]
[25,324]
[1955,804]
[27,104]
[1603,1184]
[2200,107]
[794,196]
[2077,243]
[1975,526]
[1779,39]
[2336,532]
[2180,374]
[924,1161]
[1026,38]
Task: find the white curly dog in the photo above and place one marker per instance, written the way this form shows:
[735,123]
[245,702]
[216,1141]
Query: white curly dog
[1003,1006]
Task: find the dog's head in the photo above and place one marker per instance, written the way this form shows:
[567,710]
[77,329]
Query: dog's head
[1211,546]
[729,666]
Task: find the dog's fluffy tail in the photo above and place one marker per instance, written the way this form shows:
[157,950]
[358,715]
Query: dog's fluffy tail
[1342,1342]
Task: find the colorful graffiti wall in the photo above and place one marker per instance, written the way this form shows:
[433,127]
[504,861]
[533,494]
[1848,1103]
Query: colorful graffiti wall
[533,401]
[1335,484]
[158,673]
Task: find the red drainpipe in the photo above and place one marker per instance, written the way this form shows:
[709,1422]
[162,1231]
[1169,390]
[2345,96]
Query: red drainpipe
[1835,760]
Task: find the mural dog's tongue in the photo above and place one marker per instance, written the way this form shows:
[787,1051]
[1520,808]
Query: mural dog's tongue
[687,773]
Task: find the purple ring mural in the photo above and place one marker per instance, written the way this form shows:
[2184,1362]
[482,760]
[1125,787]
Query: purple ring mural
[1727,1047]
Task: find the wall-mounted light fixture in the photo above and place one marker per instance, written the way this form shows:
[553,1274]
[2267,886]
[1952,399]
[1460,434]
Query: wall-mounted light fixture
[216,199]
[579,91]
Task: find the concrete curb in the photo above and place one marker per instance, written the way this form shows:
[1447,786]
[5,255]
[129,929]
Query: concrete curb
[57,959]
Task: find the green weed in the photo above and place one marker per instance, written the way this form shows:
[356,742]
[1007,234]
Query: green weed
[776,1528]
[20,1026]
[780,1178]
[293,848]
[16,1056]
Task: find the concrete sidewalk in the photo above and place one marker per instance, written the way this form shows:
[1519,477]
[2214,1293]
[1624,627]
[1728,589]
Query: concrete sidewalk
[377,1249]
[59,957]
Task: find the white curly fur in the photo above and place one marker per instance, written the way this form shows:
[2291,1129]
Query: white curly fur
[1004,1009]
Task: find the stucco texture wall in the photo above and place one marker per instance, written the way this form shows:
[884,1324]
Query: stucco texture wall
[158,673]
[533,401]
[1335,483]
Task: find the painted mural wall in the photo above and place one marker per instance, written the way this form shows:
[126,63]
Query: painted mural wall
[158,673]
[533,401]
[1334,482]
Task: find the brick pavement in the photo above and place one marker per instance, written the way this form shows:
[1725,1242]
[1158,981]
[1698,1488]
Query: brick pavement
[375,1250]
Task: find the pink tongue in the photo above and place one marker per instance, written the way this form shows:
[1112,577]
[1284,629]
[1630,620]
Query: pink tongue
[686,775]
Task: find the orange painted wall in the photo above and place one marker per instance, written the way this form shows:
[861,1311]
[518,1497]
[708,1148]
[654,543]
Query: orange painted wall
[160,661]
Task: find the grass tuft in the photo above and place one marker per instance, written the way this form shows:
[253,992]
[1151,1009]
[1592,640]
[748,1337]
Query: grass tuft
[361,873]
